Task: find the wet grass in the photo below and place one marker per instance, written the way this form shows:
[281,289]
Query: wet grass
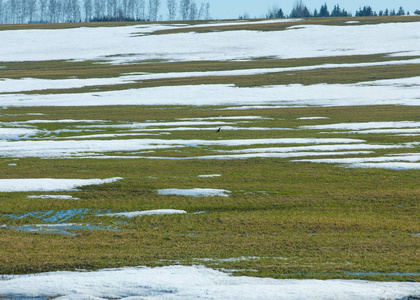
[309,77]
[300,220]
[59,69]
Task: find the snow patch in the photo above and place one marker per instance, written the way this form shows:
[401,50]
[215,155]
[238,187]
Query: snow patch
[49,185]
[383,92]
[196,192]
[16,133]
[60,197]
[181,282]
[133,214]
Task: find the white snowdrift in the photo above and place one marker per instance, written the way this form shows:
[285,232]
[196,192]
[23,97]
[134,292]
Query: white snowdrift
[48,184]
[383,92]
[197,192]
[179,282]
[404,161]
[366,125]
[132,214]
[60,197]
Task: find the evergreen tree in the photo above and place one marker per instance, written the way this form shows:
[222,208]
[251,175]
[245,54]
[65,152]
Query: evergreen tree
[401,11]
[338,12]
[365,12]
[323,12]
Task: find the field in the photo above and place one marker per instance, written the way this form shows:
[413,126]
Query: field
[113,160]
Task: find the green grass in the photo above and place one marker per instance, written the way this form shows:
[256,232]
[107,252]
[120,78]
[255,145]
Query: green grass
[328,221]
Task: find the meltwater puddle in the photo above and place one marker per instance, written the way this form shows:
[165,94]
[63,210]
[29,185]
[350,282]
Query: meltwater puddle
[56,222]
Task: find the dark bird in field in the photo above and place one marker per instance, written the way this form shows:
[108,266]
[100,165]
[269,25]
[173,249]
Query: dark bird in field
[218,130]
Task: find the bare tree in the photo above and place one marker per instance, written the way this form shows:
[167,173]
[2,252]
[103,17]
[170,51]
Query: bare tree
[131,7]
[1,12]
[300,10]
[111,9]
[88,10]
[184,9]
[66,14]
[31,4]
[140,10]
[171,4]
[75,9]
[193,10]
[201,11]
[207,12]
[42,10]
[153,9]
[52,11]
[98,9]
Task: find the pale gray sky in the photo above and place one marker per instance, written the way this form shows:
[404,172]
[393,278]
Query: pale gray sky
[231,9]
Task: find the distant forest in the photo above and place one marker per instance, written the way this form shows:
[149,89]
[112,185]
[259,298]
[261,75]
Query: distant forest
[300,10]
[68,11]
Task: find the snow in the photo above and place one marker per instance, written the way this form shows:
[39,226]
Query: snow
[313,118]
[62,121]
[129,43]
[60,197]
[316,148]
[270,155]
[226,118]
[366,125]
[77,148]
[388,165]
[30,84]
[48,184]
[16,133]
[196,192]
[403,161]
[196,282]
[383,92]
[133,214]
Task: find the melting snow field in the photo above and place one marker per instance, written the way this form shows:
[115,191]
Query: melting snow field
[178,282]
[103,139]
[383,92]
[121,44]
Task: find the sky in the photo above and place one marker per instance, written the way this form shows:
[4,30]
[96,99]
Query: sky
[232,9]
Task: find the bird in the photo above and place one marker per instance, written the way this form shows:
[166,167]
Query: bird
[218,130]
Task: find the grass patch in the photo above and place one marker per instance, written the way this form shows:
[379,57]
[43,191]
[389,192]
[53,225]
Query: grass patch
[297,220]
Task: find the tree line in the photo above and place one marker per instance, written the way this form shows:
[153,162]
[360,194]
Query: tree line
[300,10]
[67,11]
